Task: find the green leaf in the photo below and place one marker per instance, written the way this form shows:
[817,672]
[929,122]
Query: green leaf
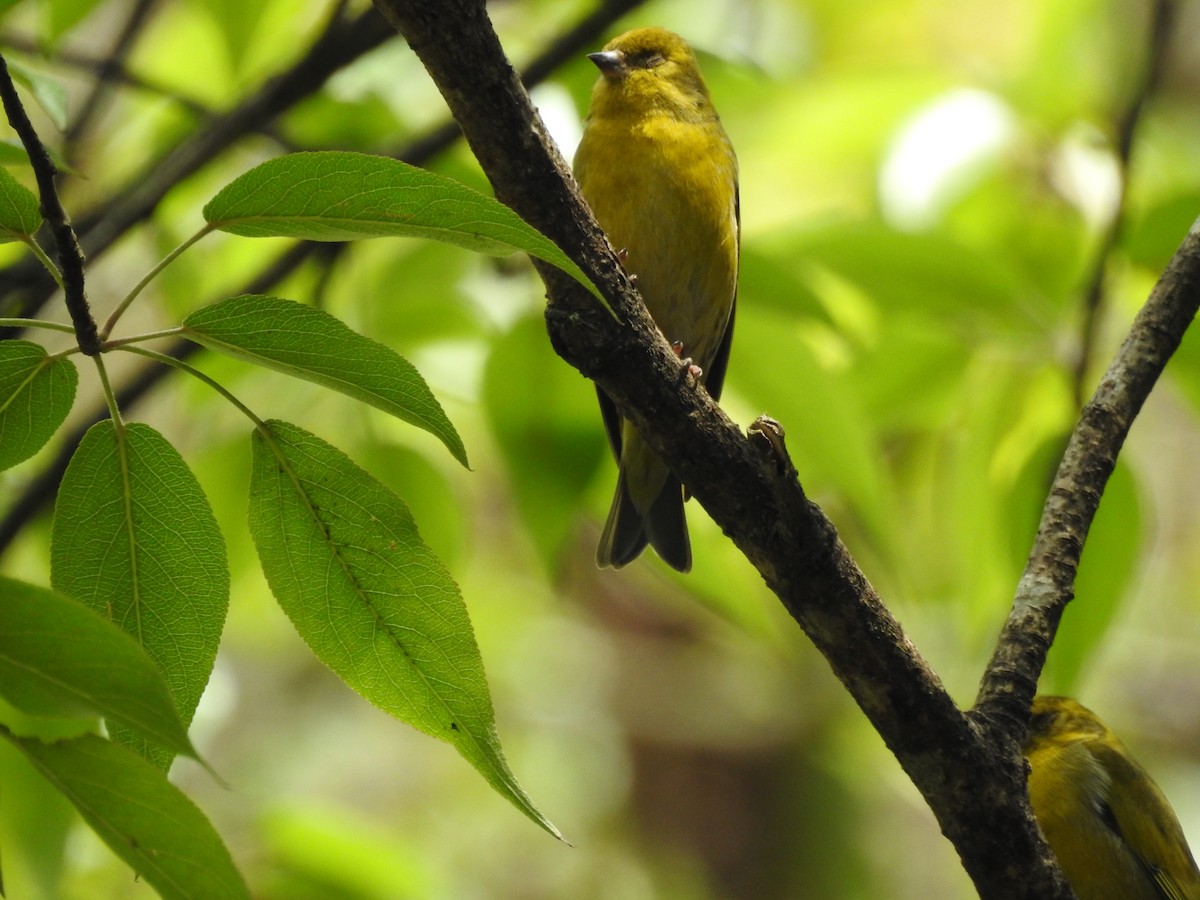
[49,92]
[134,539]
[237,23]
[336,196]
[36,393]
[145,819]
[58,658]
[343,557]
[310,344]
[20,216]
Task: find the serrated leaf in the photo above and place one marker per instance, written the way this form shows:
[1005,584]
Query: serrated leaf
[58,658]
[135,540]
[49,92]
[36,393]
[338,196]
[20,216]
[310,344]
[145,819]
[344,560]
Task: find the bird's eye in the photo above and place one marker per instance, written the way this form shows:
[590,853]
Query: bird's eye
[648,59]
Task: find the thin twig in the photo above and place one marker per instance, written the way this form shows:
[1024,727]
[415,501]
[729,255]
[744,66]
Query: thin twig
[70,256]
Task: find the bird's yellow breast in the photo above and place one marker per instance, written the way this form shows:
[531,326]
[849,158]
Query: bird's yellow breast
[665,192]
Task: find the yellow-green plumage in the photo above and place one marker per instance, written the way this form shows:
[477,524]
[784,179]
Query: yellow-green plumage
[1114,833]
[660,175]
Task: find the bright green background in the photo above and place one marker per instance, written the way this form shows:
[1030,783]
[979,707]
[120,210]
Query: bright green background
[923,184]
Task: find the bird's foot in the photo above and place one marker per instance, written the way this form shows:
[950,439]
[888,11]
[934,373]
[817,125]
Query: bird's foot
[689,368]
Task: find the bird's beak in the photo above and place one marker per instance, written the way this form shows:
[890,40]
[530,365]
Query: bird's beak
[611,63]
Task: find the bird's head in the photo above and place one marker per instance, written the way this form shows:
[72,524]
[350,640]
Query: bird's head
[651,67]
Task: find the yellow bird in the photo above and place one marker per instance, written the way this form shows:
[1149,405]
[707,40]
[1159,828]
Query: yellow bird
[660,175]
[1114,833]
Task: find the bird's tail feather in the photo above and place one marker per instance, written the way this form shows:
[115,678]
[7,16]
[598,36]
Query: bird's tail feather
[664,527]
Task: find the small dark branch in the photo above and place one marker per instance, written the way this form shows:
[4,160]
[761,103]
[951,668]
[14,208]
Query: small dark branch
[70,257]
[974,786]
[1125,127]
[1048,583]
[94,102]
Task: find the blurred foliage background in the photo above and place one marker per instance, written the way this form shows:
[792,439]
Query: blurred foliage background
[928,188]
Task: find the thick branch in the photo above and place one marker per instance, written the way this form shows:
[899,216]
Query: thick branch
[974,788]
[1048,582]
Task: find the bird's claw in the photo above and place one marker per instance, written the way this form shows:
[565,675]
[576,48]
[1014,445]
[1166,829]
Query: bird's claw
[767,435]
[689,367]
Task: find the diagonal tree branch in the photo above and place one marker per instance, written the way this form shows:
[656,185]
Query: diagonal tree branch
[972,778]
[1048,582]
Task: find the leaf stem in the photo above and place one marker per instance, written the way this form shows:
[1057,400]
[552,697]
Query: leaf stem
[146,279]
[36,323]
[109,396]
[193,371]
[43,258]
[119,343]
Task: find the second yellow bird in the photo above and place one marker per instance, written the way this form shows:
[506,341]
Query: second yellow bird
[1113,831]
[660,175]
